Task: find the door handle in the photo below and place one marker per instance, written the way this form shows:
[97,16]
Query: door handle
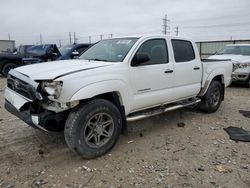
[169,71]
[196,68]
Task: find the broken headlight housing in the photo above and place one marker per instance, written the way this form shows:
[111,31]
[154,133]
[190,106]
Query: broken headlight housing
[52,88]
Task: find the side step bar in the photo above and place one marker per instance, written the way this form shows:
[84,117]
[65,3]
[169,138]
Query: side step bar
[154,113]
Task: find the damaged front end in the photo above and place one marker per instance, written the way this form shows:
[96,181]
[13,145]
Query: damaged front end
[33,102]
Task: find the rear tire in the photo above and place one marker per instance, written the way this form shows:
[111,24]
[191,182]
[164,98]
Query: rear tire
[7,68]
[211,101]
[93,128]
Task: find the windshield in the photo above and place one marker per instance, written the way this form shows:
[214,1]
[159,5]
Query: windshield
[39,49]
[65,49]
[112,50]
[235,50]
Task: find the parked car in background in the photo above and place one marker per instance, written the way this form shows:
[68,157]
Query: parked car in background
[26,55]
[72,51]
[115,81]
[41,53]
[63,53]
[240,55]
[9,61]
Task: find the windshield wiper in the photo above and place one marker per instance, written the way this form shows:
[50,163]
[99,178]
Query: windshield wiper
[97,59]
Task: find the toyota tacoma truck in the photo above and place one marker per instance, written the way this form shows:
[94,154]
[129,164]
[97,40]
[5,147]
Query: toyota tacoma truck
[114,82]
[240,55]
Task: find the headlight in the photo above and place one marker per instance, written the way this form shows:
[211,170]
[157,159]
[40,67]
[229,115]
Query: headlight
[241,65]
[52,88]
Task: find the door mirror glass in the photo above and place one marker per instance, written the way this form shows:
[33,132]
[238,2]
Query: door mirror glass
[140,58]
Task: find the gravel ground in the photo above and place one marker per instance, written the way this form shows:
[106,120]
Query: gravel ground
[156,153]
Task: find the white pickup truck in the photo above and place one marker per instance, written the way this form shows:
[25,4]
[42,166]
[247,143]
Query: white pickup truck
[115,81]
[240,55]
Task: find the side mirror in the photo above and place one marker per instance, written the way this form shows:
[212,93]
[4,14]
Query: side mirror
[139,58]
[74,54]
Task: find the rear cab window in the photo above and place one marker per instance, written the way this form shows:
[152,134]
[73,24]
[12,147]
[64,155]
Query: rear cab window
[183,50]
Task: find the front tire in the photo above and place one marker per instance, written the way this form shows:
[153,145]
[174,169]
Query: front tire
[93,128]
[211,101]
[7,68]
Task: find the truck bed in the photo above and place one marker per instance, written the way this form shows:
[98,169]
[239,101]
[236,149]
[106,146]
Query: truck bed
[214,60]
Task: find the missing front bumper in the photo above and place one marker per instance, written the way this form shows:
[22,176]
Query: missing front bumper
[25,116]
[45,121]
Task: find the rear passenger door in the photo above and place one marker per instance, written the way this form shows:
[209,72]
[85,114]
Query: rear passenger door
[187,68]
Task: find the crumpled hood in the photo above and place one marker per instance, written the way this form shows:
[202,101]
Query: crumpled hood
[235,58]
[56,69]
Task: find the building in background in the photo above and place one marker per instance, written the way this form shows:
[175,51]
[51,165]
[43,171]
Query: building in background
[7,46]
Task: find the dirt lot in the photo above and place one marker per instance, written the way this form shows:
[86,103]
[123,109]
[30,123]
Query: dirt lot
[156,153]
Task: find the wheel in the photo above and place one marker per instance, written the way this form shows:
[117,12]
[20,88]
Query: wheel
[93,128]
[7,68]
[248,81]
[211,101]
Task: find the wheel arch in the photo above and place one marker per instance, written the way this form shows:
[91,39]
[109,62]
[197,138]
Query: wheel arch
[109,90]
[2,65]
[116,99]
[4,62]
[219,78]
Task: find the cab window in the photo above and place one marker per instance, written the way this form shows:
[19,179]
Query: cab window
[156,49]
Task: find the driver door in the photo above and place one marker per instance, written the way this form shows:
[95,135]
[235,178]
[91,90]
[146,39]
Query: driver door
[152,81]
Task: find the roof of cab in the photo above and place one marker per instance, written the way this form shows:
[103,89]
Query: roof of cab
[151,35]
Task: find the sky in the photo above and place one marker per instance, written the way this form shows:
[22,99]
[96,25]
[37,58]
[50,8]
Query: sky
[201,20]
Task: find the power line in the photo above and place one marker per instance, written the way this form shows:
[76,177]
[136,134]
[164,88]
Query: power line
[218,25]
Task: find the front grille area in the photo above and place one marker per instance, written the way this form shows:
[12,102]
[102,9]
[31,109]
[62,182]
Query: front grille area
[20,87]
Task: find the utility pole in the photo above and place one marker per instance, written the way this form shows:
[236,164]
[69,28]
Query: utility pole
[166,26]
[41,39]
[101,36]
[90,39]
[75,39]
[177,31]
[60,43]
[111,35]
[69,37]
[9,36]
